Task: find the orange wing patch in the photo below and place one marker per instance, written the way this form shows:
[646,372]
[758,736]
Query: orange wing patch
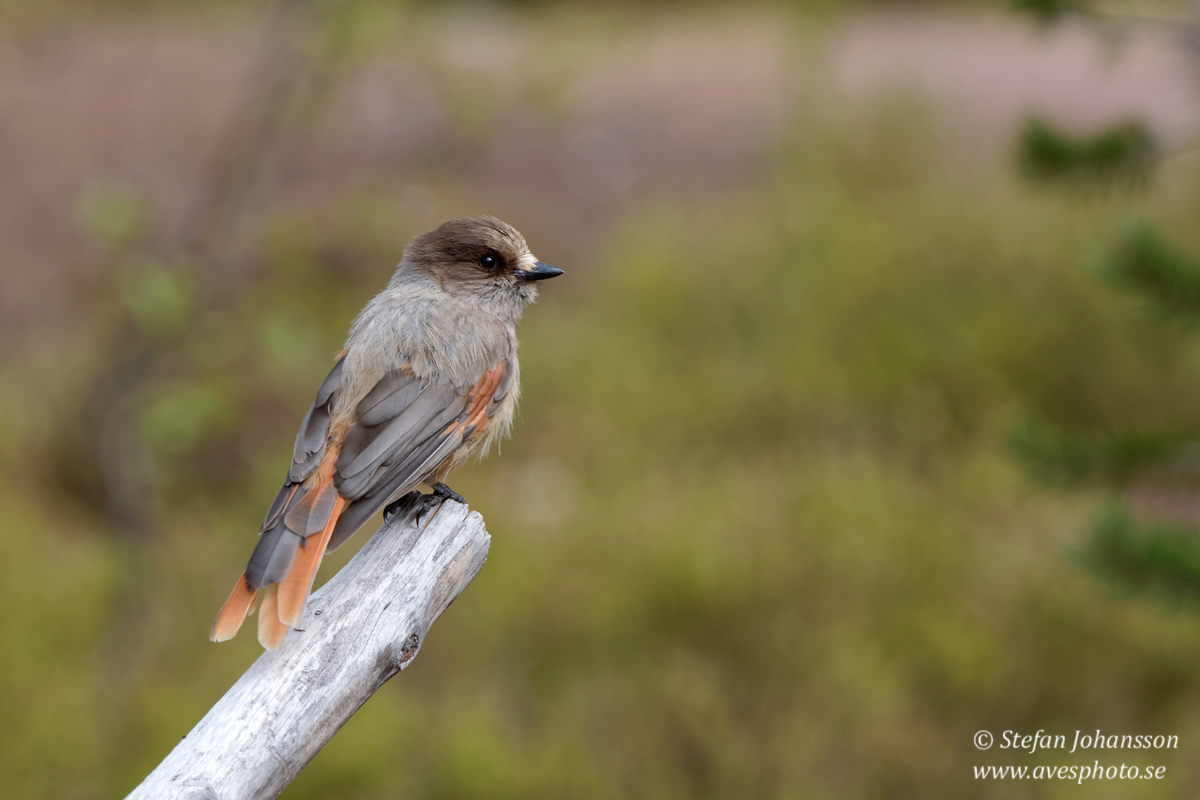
[477,400]
[481,395]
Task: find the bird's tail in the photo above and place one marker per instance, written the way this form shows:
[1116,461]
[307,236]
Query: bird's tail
[283,564]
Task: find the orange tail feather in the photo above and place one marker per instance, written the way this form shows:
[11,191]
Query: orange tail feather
[313,516]
[270,629]
[294,589]
[239,606]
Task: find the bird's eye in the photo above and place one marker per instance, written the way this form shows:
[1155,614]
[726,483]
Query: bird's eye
[488,262]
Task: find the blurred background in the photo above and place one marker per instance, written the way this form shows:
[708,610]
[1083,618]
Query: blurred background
[865,417]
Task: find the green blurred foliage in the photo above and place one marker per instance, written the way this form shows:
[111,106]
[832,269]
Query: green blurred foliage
[113,214]
[1137,554]
[1045,11]
[779,545]
[1055,456]
[1125,151]
[1142,262]
[158,296]
[1156,557]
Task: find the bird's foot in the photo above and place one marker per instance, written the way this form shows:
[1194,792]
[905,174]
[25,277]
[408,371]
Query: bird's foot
[400,508]
[433,501]
[420,506]
[446,493]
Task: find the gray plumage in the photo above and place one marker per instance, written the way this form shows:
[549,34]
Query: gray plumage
[310,440]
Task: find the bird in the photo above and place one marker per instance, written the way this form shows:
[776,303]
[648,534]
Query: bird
[428,377]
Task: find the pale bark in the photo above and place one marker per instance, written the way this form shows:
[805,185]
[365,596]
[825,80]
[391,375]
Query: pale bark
[358,630]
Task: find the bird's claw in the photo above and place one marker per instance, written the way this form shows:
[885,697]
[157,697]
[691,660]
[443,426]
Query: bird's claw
[421,505]
[433,501]
[400,507]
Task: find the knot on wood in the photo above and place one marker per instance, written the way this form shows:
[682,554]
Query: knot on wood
[408,649]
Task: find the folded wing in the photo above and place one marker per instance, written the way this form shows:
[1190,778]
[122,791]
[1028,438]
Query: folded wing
[400,433]
[404,430]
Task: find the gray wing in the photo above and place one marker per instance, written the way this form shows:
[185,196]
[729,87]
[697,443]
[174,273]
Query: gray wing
[282,531]
[405,428]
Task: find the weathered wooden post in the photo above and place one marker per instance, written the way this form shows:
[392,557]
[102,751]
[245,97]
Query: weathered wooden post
[361,628]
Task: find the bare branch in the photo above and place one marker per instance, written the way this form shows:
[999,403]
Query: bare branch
[365,625]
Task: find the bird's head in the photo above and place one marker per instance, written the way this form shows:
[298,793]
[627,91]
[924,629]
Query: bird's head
[482,260]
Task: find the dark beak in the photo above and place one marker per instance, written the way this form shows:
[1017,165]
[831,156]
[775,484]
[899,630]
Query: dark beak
[539,272]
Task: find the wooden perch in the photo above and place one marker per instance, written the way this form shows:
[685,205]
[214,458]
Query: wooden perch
[361,628]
